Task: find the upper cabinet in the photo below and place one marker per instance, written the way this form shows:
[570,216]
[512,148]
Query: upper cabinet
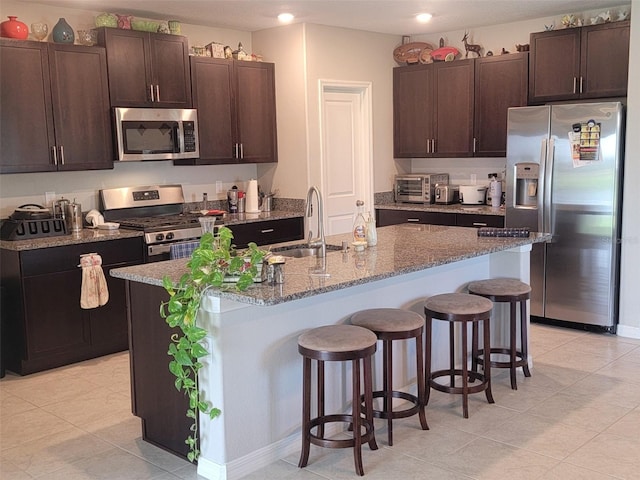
[55,107]
[147,69]
[433,109]
[457,109]
[501,83]
[577,63]
[236,111]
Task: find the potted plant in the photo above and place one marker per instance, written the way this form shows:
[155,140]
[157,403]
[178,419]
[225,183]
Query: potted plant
[212,263]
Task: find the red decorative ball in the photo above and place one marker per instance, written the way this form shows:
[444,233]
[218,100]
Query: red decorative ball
[13,28]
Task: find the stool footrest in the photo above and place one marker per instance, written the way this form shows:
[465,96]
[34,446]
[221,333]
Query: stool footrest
[473,376]
[339,443]
[521,361]
[407,412]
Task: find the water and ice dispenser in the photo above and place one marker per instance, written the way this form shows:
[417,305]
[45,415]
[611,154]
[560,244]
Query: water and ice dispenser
[527,184]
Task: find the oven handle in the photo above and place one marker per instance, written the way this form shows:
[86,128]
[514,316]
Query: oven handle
[153,250]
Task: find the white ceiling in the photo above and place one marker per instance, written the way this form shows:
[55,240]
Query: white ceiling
[384,16]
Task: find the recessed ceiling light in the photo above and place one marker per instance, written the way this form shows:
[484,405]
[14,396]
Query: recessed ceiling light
[285,17]
[423,17]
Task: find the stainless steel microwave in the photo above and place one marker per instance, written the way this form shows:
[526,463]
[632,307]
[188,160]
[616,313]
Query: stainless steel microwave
[418,187]
[156,133]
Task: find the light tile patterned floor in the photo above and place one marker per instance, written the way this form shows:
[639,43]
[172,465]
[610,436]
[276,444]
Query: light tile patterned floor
[577,417]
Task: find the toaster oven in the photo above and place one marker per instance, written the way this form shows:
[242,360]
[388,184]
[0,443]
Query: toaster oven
[418,187]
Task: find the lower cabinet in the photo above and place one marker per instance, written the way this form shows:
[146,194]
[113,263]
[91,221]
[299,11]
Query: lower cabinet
[395,217]
[268,232]
[44,324]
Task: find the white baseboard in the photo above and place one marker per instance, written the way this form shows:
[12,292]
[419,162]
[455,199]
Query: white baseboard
[628,331]
[256,460]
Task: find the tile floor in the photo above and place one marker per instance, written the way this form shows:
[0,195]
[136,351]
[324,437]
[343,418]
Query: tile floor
[577,417]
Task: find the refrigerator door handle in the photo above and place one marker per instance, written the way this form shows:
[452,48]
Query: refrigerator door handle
[548,176]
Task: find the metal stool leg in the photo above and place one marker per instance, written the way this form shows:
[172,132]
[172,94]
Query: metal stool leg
[306,412]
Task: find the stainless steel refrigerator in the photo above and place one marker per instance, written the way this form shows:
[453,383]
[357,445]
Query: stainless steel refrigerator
[564,177]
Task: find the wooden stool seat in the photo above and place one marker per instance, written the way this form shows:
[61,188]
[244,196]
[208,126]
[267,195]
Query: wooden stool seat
[338,343]
[512,291]
[461,308]
[391,324]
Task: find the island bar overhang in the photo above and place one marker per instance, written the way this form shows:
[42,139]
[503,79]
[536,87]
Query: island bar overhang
[254,374]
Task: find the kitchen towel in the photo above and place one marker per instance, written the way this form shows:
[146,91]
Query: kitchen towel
[94,292]
[251,203]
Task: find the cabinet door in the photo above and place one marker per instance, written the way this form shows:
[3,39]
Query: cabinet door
[413,111]
[26,120]
[129,66]
[554,65]
[500,83]
[54,323]
[81,107]
[255,99]
[170,71]
[213,98]
[604,61]
[454,98]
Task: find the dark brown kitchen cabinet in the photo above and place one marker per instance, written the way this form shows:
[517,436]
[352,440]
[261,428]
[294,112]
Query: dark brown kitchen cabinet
[147,69]
[45,326]
[500,83]
[236,111]
[396,217]
[579,63]
[268,232]
[478,220]
[55,112]
[433,109]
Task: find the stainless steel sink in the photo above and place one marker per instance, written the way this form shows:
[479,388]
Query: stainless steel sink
[302,250]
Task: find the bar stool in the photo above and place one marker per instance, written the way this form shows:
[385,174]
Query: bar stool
[512,291]
[461,308]
[338,343]
[391,324]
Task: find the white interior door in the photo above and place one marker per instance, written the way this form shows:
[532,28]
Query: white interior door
[346,156]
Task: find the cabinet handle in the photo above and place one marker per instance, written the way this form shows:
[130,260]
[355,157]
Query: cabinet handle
[433,149]
[151,92]
[474,144]
[479,224]
[267,230]
[61,155]
[581,79]
[235,154]
[157,93]
[413,219]
[54,155]
[428,143]
[241,151]
[574,84]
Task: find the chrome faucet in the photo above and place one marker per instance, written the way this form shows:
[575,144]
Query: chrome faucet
[319,242]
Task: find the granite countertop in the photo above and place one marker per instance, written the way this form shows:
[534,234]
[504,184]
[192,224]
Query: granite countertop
[88,235]
[401,249]
[440,208]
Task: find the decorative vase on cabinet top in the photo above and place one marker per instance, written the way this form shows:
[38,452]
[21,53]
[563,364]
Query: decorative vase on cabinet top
[62,32]
[13,28]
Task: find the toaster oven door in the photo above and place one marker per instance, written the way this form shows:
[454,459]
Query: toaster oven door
[411,189]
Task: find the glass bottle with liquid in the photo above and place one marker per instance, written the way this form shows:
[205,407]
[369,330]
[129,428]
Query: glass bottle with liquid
[372,234]
[360,225]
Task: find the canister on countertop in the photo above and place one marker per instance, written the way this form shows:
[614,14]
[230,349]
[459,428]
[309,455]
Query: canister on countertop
[74,217]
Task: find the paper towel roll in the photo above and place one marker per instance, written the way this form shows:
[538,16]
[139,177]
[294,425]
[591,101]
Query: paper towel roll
[252,197]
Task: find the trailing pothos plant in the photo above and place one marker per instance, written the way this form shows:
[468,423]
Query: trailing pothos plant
[213,260]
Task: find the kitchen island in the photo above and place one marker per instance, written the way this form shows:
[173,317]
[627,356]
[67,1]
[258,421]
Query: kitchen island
[254,374]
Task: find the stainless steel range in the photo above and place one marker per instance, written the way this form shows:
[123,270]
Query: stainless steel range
[156,210]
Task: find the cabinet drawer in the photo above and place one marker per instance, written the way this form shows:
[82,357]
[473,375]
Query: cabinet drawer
[268,232]
[470,220]
[396,217]
[67,258]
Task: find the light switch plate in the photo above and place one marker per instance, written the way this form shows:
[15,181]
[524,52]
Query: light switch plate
[218,186]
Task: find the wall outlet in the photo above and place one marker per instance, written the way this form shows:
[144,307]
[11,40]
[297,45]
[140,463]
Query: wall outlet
[473,179]
[218,186]
[49,198]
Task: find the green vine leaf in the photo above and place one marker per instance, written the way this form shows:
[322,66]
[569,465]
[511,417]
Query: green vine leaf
[213,260]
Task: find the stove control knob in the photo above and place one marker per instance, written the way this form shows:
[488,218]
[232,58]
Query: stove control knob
[159,237]
[170,236]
